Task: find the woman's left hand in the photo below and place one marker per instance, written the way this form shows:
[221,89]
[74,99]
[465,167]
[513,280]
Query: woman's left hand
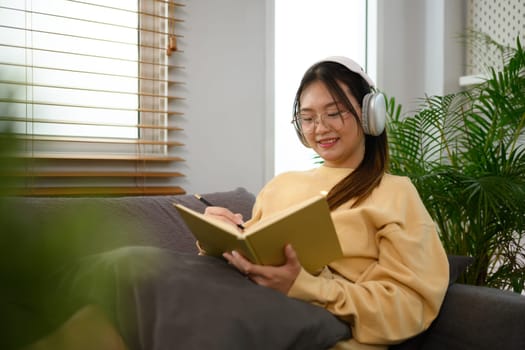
[280,278]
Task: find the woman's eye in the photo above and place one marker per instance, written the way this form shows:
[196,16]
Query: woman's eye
[307,119]
[334,115]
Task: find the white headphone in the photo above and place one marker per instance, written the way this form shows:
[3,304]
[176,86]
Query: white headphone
[374,105]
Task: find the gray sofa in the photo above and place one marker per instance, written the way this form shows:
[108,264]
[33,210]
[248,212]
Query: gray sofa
[471,317]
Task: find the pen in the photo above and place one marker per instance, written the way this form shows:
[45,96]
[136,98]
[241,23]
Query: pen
[205,201]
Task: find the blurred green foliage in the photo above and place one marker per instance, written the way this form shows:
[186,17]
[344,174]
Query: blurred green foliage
[52,265]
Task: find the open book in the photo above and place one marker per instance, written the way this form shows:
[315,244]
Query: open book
[307,226]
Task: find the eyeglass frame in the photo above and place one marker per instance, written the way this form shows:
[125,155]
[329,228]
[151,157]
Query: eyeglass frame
[325,118]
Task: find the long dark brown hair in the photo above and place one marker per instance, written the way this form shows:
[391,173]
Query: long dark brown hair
[360,183]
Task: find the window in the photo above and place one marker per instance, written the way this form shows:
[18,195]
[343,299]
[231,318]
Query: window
[85,86]
[306,31]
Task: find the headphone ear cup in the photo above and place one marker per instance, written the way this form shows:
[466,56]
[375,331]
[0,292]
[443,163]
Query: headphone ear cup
[373,118]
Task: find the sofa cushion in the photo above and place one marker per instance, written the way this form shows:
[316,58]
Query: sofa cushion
[240,315]
[457,265]
[161,299]
[481,318]
[132,220]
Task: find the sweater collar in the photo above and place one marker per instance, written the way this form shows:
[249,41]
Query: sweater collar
[334,171]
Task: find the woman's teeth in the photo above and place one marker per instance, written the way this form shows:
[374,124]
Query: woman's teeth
[327,142]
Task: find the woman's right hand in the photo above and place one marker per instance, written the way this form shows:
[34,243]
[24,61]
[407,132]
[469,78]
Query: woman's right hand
[225,215]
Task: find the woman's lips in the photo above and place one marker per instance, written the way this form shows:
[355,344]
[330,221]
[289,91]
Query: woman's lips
[327,143]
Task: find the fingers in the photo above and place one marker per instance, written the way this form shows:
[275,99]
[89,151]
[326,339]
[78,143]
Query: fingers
[291,256]
[279,278]
[246,267]
[239,220]
[239,261]
[289,252]
[224,215]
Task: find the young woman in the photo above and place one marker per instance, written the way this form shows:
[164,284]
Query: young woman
[392,280]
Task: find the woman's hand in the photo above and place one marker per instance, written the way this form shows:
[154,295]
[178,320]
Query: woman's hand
[225,215]
[280,278]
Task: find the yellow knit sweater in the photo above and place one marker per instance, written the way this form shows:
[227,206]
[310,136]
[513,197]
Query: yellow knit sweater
[393,278]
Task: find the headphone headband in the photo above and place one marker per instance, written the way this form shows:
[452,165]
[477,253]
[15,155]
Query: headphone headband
[351,65]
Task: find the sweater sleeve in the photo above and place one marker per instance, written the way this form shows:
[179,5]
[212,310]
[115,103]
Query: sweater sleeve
[400,291]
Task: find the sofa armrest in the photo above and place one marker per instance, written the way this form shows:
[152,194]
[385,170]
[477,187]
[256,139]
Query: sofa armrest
[480,318]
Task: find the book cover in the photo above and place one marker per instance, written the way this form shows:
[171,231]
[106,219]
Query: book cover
[307,226]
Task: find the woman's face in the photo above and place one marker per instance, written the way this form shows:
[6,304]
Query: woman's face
[340,144]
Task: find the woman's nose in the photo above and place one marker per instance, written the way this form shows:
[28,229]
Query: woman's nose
[320,124]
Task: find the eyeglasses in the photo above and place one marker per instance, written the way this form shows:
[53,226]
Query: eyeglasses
[306,122]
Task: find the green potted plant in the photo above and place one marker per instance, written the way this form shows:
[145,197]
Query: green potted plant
[465,153]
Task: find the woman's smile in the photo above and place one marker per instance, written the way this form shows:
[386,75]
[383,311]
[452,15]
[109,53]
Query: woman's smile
[328,142]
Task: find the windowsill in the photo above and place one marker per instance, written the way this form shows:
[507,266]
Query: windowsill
[468,80]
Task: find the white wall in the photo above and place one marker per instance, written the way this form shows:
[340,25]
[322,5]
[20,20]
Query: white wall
[225,55]
[418,50]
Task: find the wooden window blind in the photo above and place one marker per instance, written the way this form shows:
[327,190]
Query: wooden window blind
[89,89]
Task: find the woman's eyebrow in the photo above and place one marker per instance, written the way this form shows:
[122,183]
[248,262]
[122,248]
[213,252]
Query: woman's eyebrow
[328,105]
